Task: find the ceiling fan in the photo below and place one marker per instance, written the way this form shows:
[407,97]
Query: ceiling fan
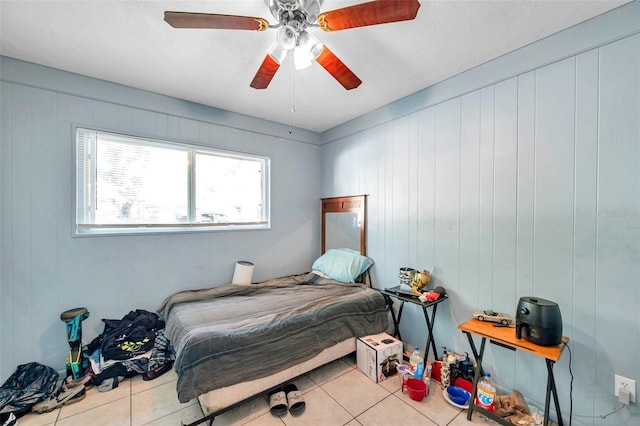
[294,17]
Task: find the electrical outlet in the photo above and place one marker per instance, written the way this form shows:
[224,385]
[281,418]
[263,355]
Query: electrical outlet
[626,384]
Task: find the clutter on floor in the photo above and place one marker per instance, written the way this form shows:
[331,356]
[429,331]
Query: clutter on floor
[29,384]
[514,408]
[454,373]
[136,344]
[68,393]
[133,345]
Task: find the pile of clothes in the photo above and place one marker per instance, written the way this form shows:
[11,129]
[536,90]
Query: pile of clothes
[133,345]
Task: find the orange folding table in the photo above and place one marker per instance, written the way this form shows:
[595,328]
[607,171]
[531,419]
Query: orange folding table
[506,337]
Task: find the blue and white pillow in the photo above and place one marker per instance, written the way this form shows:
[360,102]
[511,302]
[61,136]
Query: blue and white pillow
[344,265]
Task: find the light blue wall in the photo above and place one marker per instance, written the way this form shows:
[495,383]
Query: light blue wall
[44,270]
[526,186]
[518,177]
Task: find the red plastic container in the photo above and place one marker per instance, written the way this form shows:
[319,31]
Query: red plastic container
[417,389]
[464,384]
[435,371]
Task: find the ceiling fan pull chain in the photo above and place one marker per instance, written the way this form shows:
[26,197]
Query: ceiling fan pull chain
[293,89]
[293,84]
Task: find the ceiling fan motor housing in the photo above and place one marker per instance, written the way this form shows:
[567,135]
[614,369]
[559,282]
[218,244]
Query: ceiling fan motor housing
[297,14]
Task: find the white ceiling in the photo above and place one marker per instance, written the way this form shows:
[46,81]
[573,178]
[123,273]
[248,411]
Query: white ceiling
[128,42]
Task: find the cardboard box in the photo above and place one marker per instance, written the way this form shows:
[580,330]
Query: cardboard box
[378,356]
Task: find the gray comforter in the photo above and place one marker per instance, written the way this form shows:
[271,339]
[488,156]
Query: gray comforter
[237,333]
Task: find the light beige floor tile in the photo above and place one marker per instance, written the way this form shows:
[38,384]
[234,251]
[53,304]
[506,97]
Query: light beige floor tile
[461,420]
[96,398]
[354,422]
[155,403]
[114,413]
[139,385]
[391,384]
[392,411]
[185,416]
[265,420]
[355,392]
[433,406]
[34,419]
[329,371]
[320,410]
[244,413]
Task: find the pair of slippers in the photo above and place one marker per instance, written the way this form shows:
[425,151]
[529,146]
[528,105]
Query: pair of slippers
[288,398]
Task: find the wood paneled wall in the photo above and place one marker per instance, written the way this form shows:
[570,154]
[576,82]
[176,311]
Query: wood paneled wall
[45,270]
[527,187]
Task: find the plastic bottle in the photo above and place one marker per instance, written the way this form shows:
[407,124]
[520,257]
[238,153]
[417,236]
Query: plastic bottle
[416,364]
[427,375]
[444,373]
[451,357]
[486,395]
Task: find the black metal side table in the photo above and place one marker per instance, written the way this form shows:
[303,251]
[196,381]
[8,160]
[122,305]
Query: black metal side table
[402,297]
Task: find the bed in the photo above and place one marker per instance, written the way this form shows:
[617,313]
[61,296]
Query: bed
[237,341]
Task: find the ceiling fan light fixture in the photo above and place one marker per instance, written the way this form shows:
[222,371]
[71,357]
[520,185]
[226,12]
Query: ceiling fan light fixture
[307,50]
[301,59]
[316,50]
[277,53]
[286,37]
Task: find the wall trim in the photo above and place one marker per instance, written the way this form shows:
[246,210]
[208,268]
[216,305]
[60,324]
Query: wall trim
[42,77]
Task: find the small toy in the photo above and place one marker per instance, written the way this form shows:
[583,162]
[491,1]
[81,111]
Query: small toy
[492,316]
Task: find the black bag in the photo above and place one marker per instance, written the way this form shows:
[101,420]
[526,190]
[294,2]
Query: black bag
[133,335]
[29,384]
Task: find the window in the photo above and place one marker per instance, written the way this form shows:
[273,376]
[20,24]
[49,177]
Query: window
[127,184]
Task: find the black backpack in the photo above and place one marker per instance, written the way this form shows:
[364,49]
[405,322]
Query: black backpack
[123,339]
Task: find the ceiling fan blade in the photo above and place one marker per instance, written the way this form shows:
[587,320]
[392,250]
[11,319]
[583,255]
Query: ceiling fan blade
[371,13]
[265,73]
[213,21]
[338,69]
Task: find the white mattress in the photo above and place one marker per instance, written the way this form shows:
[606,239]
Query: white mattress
[219,399]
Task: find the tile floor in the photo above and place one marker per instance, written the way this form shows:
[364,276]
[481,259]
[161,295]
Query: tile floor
[335,394]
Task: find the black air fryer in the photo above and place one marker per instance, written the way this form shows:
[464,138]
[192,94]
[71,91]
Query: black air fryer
[539,321]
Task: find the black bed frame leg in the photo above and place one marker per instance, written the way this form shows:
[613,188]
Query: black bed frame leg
[209,419]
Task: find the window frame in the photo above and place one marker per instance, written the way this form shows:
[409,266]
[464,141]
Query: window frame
[193,149]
